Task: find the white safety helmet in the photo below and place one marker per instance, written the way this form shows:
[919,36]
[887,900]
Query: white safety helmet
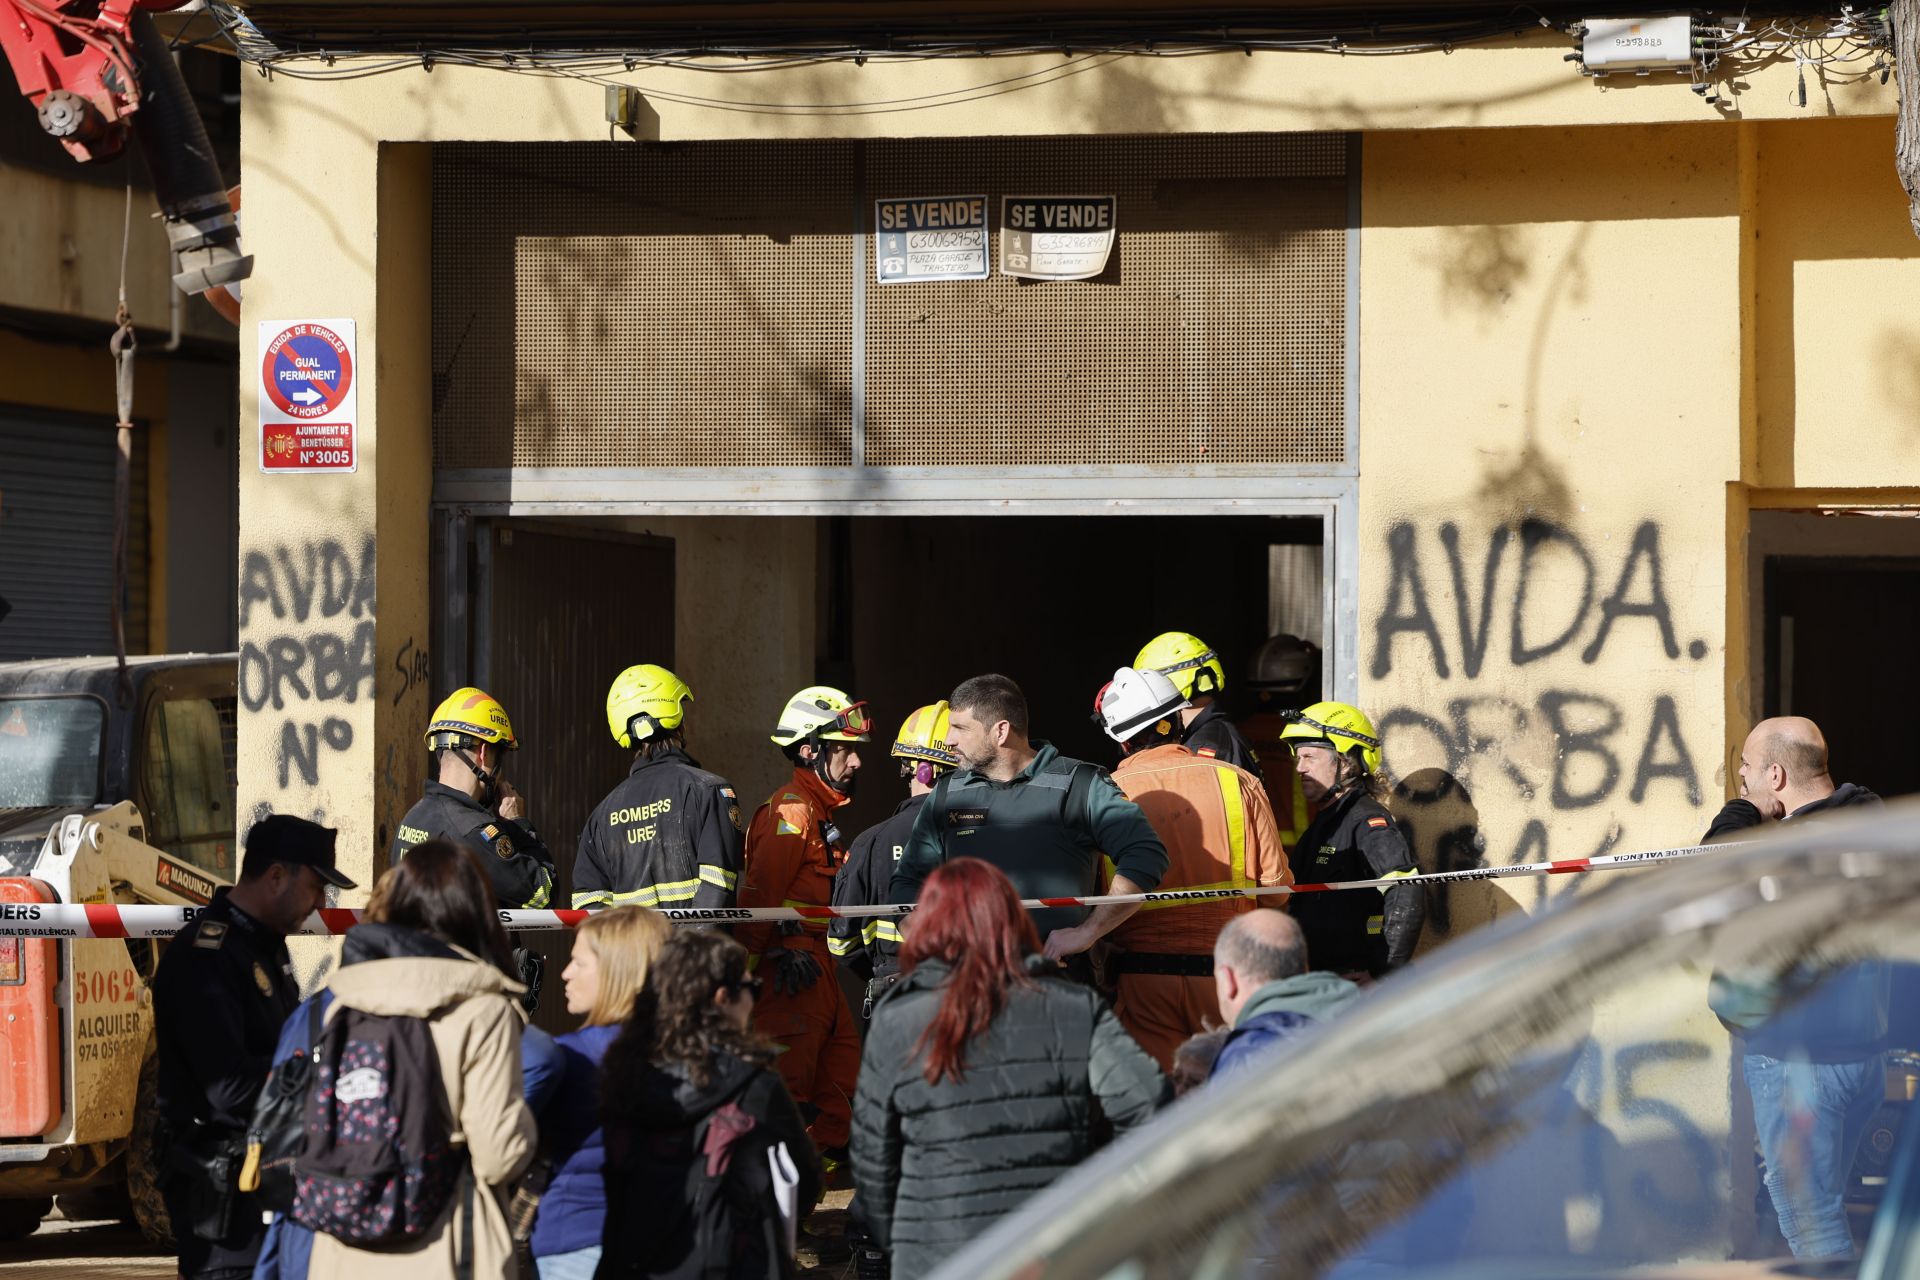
[1133,700]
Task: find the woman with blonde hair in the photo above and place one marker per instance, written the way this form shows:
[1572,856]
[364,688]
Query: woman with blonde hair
[613,952]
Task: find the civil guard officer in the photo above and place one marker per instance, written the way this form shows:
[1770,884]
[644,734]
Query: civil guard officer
[221,992]
[670,835]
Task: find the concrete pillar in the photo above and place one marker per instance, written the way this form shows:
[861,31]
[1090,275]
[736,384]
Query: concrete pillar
[333,567]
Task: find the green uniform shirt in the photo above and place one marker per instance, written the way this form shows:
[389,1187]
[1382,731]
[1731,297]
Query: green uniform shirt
[1046,828]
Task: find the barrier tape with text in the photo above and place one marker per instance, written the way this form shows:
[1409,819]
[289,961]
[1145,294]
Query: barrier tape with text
[110,920]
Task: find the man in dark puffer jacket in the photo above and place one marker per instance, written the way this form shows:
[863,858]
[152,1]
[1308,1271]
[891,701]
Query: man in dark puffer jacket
[938,1164]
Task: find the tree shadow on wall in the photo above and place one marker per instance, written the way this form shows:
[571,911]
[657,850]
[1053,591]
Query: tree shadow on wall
[1435,810]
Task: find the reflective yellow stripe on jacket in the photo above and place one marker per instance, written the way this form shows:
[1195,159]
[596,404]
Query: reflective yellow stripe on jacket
[653,895]
[1235,806]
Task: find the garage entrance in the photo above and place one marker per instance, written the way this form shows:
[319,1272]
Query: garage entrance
[896,609]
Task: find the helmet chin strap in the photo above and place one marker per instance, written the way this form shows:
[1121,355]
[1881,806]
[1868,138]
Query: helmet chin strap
[819,766]
[483,776]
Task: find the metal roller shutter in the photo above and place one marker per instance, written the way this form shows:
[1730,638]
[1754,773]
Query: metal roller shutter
[56,536]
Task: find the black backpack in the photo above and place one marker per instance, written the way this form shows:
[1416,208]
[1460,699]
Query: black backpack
[378,1165]
[278,1132]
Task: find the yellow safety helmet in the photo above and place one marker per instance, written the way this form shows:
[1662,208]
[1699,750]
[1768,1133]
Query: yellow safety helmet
[470,715]
[646,701]
[924,736]
[1184,659]
[1346,729]
[822,713]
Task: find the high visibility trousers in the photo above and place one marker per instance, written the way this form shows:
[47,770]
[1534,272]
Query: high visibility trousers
[821,1062]
[1161,1011]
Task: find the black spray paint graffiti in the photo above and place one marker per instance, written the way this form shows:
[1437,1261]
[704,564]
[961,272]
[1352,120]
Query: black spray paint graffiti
[326,654]
[1550,591]
[1407,610]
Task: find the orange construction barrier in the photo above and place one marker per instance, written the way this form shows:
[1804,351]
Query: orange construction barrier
[29,1021]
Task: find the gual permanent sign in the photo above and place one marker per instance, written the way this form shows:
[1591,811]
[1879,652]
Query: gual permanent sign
[1056,237]
[308,403]
[930,238]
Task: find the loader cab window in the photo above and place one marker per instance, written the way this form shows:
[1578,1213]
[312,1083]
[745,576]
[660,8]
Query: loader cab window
[50,751]
[187,782]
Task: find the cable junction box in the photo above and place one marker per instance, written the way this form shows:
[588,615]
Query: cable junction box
[1609,46]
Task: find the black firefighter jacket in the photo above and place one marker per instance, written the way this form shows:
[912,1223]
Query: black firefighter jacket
[517,863]
[670,835]
[938,1164]
[871,946]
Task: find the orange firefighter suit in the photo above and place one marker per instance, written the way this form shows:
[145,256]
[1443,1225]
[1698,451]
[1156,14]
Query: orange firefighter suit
[793,850]
[1219,831]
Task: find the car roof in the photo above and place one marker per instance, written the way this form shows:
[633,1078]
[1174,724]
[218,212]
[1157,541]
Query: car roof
[97,674]
[1844,885]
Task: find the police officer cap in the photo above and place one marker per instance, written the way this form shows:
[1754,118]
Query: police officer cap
[281,837]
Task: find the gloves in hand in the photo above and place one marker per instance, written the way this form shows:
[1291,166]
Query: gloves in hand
[794,970]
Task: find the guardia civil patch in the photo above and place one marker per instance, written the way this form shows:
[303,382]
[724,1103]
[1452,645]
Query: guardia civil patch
[262,981]
[503,847]
[733,816]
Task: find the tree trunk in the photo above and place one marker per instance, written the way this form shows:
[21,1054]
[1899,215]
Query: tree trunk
[1905,17]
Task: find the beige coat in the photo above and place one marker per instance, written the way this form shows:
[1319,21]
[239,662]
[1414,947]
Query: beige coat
[476,1033]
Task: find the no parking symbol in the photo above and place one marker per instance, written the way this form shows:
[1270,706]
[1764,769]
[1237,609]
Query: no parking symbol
[307,397]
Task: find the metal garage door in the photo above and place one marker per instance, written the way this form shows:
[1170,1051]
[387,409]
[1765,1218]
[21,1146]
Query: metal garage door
[56,536]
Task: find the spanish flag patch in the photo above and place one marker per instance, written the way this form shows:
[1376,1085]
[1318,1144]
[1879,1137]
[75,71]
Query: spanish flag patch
[1206,751]
[1376,822]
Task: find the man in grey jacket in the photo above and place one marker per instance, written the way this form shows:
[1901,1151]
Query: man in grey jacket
[1260,974]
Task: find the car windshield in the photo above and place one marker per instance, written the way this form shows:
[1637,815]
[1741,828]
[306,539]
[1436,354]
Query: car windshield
[1686,1067]
[50,751]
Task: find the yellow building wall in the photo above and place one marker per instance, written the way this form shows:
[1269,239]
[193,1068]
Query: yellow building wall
[1838,340]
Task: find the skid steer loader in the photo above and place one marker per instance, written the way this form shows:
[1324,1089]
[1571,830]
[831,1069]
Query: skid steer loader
[111,790]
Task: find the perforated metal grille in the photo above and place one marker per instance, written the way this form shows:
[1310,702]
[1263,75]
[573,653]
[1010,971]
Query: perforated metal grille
[1215,335]
[657,306]
[692,304]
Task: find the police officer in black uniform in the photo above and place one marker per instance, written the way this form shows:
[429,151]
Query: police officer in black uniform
[671,834]
[1352,837]
[470,804]
[870,946]
[221,992]
[1200,678]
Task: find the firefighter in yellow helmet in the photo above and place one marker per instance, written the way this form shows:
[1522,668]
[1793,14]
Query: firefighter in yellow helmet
[1198,675]
[793,850]
[468,801]
[871,947]
[1352,837]
[670,834]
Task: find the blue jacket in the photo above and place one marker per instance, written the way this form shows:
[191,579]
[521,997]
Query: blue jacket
[1278,1010]
[574,1208]
[289,1246]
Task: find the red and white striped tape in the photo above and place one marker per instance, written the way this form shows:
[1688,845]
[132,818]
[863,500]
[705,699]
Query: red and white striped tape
[108,920]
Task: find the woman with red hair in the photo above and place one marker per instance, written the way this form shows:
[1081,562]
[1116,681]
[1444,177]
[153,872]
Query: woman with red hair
[980,1073]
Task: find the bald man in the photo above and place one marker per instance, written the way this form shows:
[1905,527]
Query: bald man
[1783,774]
[1815,1067]
[1266,993]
